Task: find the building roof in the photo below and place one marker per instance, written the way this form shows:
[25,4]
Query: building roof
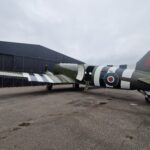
[28,50]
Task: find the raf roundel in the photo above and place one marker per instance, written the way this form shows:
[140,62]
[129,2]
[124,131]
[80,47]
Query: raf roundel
[111,79]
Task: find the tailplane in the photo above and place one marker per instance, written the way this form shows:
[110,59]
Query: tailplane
[144,63]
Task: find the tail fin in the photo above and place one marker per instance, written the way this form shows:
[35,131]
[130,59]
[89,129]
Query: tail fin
[144,63]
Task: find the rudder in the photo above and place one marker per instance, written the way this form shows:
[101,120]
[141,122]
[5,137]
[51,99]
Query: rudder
[144,63]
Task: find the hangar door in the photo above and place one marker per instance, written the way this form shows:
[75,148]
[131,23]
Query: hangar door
[6,64]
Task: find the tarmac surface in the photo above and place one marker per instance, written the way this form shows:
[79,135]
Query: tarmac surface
[32,118]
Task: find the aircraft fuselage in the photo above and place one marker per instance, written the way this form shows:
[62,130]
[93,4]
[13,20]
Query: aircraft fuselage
[106,76]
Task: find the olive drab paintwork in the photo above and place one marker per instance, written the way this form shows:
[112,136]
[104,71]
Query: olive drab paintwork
[118,77]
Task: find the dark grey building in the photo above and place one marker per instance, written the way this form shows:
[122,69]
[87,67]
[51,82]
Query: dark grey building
[28,58]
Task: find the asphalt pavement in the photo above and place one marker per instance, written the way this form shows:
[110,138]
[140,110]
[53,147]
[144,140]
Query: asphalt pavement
[32,118]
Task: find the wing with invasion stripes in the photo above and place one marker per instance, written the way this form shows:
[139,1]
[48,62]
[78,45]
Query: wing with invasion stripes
[46,78]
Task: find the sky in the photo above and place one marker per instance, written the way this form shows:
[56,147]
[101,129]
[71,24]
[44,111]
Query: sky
[93,31]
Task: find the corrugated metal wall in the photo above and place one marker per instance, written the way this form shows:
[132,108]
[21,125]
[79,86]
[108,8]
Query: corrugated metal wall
[12,62]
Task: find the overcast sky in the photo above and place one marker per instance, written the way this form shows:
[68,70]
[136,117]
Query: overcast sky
[94,31]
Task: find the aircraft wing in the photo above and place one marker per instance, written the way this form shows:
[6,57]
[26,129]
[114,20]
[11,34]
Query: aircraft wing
[48,77]
[145,80]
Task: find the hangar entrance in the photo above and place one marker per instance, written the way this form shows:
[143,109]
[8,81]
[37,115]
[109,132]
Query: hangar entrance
[6,63]
[21,57]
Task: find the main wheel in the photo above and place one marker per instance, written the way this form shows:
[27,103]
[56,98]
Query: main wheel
[76,86]
[49,87]
[147,98]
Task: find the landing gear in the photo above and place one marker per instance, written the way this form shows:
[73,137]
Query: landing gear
[86,85]
[76,86]
[49,87]
[147,96]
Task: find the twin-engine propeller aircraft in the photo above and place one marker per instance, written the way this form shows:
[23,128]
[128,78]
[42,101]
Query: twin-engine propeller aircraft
[117,77]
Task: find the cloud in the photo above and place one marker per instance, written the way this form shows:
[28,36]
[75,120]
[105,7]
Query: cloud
[94,31]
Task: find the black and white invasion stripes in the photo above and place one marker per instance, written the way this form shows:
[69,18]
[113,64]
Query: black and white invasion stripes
[38,78]
[48,77]
[124,76]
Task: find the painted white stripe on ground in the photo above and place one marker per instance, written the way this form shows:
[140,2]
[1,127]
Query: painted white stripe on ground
[48,78]
[26,75]
[97,75]
[39,78]
[125,85]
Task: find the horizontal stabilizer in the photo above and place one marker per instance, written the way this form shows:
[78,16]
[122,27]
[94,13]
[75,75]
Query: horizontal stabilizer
[145,80]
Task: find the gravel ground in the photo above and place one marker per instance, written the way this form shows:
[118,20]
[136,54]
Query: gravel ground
[32,118]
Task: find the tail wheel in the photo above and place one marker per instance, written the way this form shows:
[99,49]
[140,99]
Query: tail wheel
[49,87]
[147,98]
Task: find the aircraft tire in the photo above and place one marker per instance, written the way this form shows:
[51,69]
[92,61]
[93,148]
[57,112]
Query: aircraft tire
[147,99]
[76,86]
[49,87]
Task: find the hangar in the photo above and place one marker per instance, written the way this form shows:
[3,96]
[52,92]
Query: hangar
[30,58]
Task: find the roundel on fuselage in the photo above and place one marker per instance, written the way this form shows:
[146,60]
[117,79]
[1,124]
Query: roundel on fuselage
[111,79]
